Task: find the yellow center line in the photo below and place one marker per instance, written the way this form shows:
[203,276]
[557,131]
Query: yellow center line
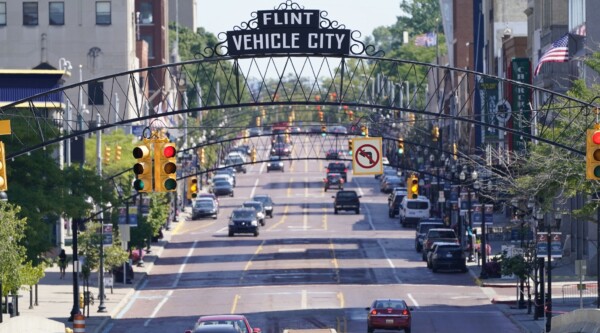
[194,229]
[236,298]
[285,211]
[249,263]
[340,296]
[324,217]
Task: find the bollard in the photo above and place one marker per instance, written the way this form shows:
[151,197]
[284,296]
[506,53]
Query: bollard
[78,323]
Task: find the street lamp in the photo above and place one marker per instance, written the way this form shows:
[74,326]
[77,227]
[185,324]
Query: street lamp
[3,197]
[463,179]
[101,293]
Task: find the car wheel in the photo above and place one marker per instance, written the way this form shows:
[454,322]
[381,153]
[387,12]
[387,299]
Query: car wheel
[390,215]
[335,211]
[230,233]
[231,194]
[434,268]
[357,210]
[262,223]
[464,269]
[407,330]
[324,189]
[267,170]
[424,256]
[370,329]
[281,169]
[271,215]
[256,233]
[419,247]
[215,217]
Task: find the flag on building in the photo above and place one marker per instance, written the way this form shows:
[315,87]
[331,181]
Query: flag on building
[558,52]
[428,39]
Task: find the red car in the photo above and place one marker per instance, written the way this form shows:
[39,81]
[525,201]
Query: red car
[238,321]
[389,314]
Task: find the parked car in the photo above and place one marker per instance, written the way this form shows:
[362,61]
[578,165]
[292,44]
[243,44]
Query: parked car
[221,187]
[346,200]
[338,167]
[394,203]
[243,220]
[275,163]
[390,183]
[447,256]
[389,314]
[437,235]
[238,320]
[204,207]
[267,203]
[333,180]
[422,229]
[259,208]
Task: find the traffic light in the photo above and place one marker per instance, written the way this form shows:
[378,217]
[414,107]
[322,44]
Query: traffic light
[165,167]
[321,116]
[363,129]
[435,133]
[366,132]
[413,187]
[106,159]
[350,147]
[142,169]
[201,159]
[3,180]
[257,121]
[592,155]
[400,146]
[253,155]
[192,188]
[117,153]
[455,151]
[323,130]
[350,115]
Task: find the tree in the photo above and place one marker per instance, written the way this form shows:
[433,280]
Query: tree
[13,259]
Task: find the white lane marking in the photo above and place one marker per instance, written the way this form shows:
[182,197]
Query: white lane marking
[132,300]
[182,267]
[303,301]
[413,300]
[157,308]
[254,188]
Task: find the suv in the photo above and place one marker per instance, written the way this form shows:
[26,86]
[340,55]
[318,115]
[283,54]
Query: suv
[395,201]
[422,229]
[243,220]
[333,179]
[411,211]
[259,208]
[437,235]
[447,255]
[338,167]
[346,200]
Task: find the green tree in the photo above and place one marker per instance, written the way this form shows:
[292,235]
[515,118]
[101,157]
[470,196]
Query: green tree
[12,252]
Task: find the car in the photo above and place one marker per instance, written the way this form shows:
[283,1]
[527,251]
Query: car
[275,163]
[281,149]
[204,207]
[267,203]
[255,131]
[338,167]
[346,200]
[390,183]
[394,203]
[389,314]
[338,130]
[433,247]
[243,220]
[333,179]
[230,319]
[208,195]
[221,187]
[216,328]
[437,235]
[412,211]
[236,162]
[229,171]
[422,229]
[332,154]
[447,256]
[225,177]
[259,208]
[387,170]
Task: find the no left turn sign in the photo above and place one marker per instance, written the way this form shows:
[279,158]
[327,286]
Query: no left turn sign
[366,157]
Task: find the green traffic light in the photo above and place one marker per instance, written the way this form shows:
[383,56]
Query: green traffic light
[597,171]
[138,185]
[170,184]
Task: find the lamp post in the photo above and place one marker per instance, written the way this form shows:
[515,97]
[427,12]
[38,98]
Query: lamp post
[3,197]
[463,179]
[75,310]
[101,292]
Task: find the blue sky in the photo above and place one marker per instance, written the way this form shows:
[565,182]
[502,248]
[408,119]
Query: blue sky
[362,15]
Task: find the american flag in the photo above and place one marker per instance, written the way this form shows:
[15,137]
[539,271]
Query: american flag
[428,39]
[559,52]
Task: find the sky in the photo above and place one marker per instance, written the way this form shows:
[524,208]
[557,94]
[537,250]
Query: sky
[362,15]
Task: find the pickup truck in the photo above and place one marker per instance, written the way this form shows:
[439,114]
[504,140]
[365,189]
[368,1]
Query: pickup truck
[346,200]
[434,235]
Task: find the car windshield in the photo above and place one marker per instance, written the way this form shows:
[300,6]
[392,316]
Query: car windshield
[243,214]
[236,323]
[441,233]
[264,200]
[204,203]
[222,183]
[274,158]
[346,194]
[443,249]
[254,205]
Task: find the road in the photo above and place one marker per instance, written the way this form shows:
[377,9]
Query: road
[308,268]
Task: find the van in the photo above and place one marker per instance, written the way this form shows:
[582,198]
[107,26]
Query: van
[411,211]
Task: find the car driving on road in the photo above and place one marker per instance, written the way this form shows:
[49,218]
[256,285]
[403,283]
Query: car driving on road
[333,180]
[275,163]
[259,208]
[346,200]
[389,314]
[267,203]
[243,221]
[204,207]
[238,321]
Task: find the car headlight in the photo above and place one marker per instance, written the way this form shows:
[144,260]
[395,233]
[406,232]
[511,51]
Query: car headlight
[268,165]
[280,164]
[254,223]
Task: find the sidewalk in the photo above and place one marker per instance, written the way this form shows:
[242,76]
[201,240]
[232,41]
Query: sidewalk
[55,295]
[565,298]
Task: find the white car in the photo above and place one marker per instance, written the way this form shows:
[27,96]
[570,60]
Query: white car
[228,178]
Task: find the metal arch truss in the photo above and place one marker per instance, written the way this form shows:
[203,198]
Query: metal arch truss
[391,97]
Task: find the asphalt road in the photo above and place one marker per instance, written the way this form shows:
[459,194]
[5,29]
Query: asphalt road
[308,268]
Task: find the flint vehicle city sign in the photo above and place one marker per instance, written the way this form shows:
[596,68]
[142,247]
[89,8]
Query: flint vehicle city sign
[285,31]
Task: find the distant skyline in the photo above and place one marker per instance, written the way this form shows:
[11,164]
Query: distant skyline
[364,16]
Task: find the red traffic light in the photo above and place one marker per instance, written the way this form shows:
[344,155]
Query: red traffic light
[596,137]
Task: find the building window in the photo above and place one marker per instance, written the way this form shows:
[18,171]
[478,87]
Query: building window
[150,40]
[30,13]
[2,13]
[103,13]
[57,13]
[95,93]
[146,13]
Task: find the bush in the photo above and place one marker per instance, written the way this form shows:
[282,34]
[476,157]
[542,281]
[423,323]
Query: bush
[492,269]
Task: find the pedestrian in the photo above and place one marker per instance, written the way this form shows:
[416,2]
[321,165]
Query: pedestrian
[62,263]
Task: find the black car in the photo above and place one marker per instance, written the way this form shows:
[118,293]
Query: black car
[267,203]
[275,163]
[422,229]
[346,200]
[205,207]
[222,187]
[338,167]
[332,154]
[333,180]
[394,204]
[259,208]
[243,220]
[281,149]
[447,256]
[236,162]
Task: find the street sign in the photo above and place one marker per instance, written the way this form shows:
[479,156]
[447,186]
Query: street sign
[366,156]
[107,234]
[555,245]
